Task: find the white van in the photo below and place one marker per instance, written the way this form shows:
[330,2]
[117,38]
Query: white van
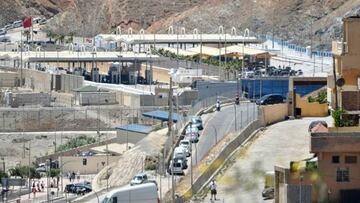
[179,152]
[144,193]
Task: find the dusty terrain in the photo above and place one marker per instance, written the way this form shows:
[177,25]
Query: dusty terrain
[295,20]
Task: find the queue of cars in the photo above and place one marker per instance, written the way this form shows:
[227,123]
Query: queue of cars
[269,71]
[78,188]
[179,161]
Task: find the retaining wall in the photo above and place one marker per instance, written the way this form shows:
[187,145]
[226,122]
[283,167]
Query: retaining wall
[274,113]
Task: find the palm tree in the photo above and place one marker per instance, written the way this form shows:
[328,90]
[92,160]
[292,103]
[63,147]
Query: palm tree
[27,34]
[50,35]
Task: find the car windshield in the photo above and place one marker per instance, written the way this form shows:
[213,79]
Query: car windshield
[138,178]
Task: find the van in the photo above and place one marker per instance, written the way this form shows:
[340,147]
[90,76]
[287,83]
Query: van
[179,152]
[144,193]
[176,167]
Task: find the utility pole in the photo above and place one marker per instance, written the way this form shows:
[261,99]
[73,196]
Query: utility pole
[29,169]
[170,121]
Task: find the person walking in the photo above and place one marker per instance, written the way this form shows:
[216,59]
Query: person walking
[213,190]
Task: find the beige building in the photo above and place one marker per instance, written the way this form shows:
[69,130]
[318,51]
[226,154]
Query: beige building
[347,68]
[333,174]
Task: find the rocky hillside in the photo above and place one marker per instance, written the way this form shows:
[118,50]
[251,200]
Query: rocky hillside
[299,21]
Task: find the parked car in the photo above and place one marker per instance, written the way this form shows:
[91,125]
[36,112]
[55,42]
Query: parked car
[197,121]
[17,24]
[315,123]
[82,189]
[78,188]
[8,26]
[3,31]
[5,39]
[42,21]
[36,20]
[270,99]
[139,179]
[268,193]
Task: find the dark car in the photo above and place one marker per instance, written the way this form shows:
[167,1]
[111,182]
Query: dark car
[268,193]
[270,99]
[82,189]
[315,123]
[70,188]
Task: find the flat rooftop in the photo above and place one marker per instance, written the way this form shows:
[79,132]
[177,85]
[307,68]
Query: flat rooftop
[174,38]
[70,56]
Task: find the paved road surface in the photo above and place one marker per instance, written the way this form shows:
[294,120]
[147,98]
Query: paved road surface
[277,145]
[221,123]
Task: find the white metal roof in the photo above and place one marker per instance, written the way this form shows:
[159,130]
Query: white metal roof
[34,56]
[173,38]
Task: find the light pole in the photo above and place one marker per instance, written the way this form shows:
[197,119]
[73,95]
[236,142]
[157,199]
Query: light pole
[29,171]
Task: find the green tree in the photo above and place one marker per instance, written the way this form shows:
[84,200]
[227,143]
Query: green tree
[23,171]
[54,172]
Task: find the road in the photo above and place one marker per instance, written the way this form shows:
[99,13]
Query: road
[278,145]
[218,124]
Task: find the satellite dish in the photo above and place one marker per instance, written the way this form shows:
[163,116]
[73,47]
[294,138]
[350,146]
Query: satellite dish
[340,82]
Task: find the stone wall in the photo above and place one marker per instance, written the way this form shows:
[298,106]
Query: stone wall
[9,79]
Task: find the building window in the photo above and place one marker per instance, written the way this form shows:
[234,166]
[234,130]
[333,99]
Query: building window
[335,159]
[342,175]
[351,159]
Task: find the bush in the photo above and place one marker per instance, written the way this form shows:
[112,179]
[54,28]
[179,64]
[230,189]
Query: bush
[23,171]
[76,142]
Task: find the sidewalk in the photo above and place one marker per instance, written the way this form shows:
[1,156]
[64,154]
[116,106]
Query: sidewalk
[57,192]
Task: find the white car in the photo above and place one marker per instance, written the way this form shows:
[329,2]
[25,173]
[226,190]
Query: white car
[139,179]
[186,144]
[176,168]
[192,129]
[179,152]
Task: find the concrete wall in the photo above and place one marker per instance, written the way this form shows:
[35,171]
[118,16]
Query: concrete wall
[63,98]
[313,109]
[335,142]
[37,80]
[96,98]
[129,137]
[93,163]
[274,113]
[128,99]
[26,99]
[9,79]
[70,82]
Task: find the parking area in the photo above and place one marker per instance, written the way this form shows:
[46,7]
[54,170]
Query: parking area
[243,179]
